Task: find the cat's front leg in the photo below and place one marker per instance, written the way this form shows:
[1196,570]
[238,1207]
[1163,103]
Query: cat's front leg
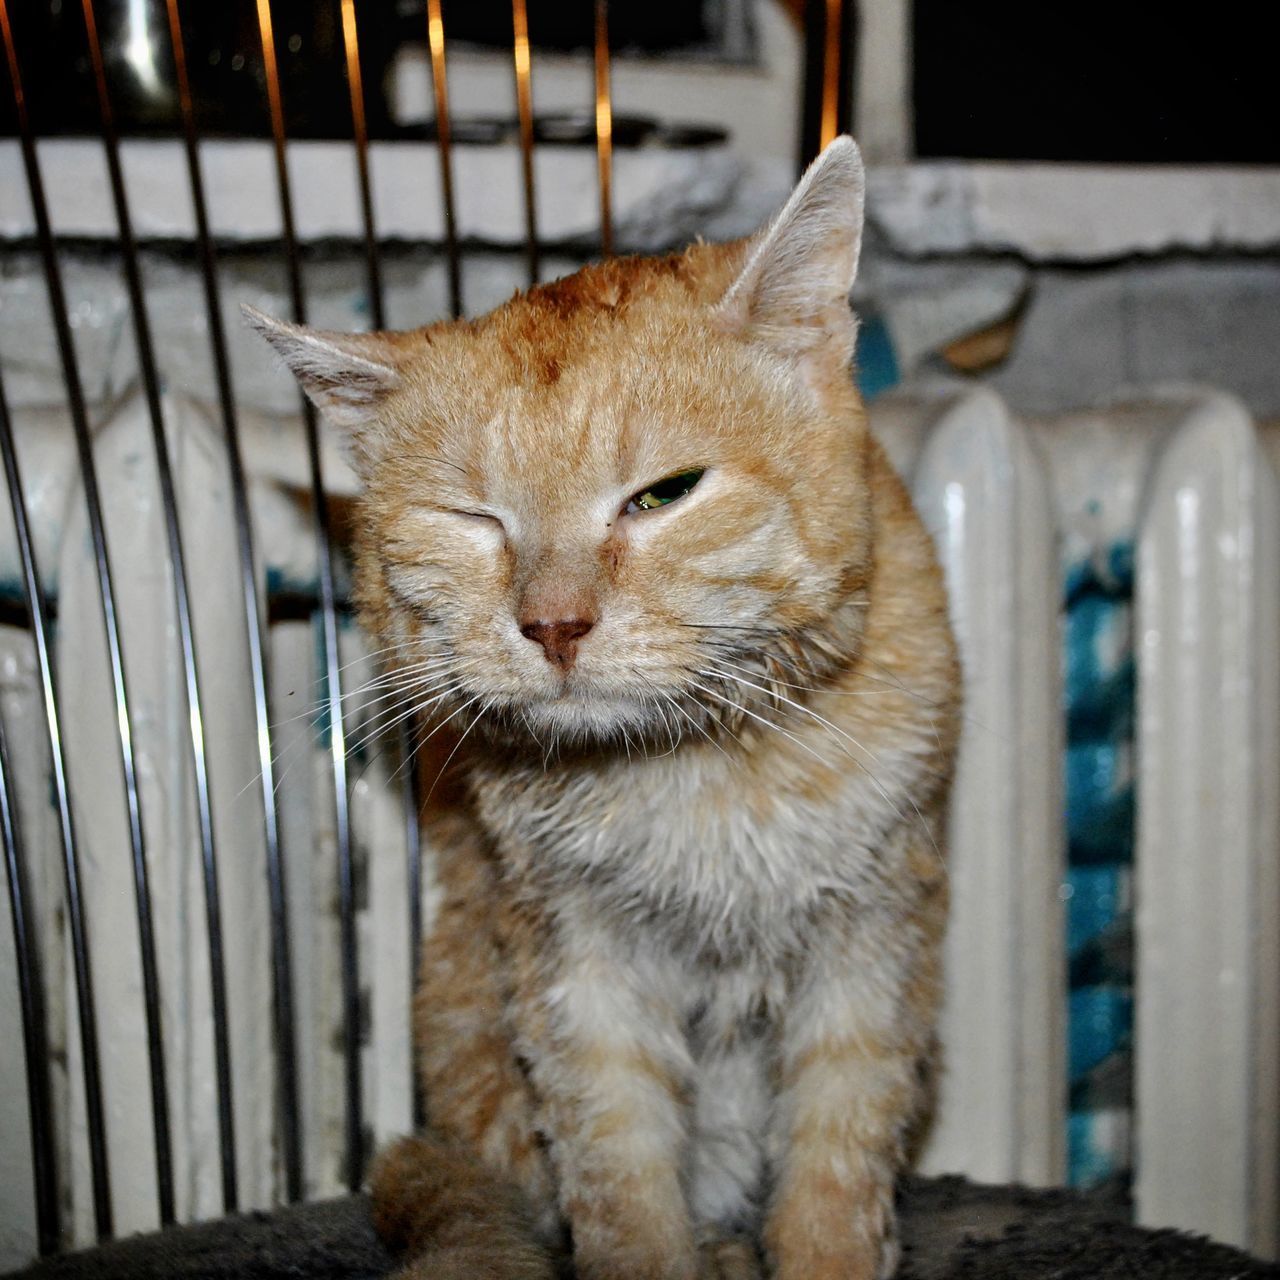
[608,1061]
[850,1086]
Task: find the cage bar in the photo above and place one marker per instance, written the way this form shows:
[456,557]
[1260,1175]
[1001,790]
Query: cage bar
[281,963]
[412,796]
[829,57]
[328,607]
[524,107]
[377,313]
[604,127]
[86,1014]
[360,134]
[182,605]
[440,84]
[35,1030]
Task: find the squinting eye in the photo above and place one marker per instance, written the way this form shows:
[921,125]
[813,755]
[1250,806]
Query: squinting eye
[664,491]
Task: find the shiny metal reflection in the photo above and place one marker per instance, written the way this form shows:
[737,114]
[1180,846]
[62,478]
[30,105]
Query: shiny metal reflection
[86,1016]
[604,127]
[35,1031]
[524,108]
[182,608]
[440,83]
[353,1127]
[360,132]
[281,963]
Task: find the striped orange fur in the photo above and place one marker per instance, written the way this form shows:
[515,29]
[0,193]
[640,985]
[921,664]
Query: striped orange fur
[688,761]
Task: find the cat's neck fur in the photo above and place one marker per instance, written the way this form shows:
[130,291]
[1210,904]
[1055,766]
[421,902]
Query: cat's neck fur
[723,847]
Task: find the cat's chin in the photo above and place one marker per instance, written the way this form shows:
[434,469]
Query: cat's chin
[593,722]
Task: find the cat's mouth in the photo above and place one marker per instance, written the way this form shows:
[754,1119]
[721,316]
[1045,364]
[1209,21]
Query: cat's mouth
[578,714]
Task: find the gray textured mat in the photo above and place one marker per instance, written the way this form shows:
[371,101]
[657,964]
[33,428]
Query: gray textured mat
[952,1230]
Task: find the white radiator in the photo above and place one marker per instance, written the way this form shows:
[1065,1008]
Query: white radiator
[1182,473]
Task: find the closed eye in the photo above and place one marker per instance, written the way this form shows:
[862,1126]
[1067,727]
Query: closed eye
[473,515]
[663,492]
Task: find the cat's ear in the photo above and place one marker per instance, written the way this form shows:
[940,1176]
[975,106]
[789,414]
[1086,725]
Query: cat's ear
[346,375]
[793,290]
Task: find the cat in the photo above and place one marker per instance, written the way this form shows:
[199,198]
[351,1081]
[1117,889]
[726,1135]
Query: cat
[628,541]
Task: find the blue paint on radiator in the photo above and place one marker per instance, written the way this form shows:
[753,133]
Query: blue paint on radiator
[876,365]
[1099,691]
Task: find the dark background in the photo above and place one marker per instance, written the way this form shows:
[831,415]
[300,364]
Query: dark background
[1129,81]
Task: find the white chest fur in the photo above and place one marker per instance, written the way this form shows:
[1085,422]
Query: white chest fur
[686,846]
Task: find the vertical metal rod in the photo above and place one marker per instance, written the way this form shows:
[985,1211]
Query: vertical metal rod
[328,606]
[524,106]
[440,82]
[604,127]
[281,960]
[413,852]
[182,607]
[831,64]
[830,53]
[70,856]
[35,1032]
[377,312]
[360,132]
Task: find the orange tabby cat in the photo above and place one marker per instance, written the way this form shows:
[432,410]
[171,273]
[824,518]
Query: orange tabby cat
[630,542]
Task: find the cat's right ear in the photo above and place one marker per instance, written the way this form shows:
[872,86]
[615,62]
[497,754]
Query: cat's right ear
[792,293]
[345,375]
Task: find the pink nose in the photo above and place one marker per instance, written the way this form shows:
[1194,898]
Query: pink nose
[559,640]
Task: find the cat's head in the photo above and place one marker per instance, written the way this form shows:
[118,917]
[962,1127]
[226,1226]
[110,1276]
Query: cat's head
[585,513]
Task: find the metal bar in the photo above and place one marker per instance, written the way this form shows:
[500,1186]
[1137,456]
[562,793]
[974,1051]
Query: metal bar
[360,132]
[604,127]
[346,876]
[830,54]
[831,61]
[281,960]
[40,627]
[524,106]
[411,791]
[440,83]
[182,607]
[328,608]
[412,796]
[35,1032]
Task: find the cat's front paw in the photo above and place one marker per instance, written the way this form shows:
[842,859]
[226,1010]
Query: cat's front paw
[814,1241]
[733,1259]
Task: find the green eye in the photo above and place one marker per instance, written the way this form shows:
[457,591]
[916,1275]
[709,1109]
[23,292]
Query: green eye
[664,491]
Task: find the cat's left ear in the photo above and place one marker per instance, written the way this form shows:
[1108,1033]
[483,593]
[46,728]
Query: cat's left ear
[346,375]
[792,294]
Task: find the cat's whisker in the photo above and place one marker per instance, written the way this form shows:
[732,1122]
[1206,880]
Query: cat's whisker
[284,762]
[416,696]
[798,706]
[716,710]
[316,713]
[370,654]
[734,626]
[768,724]
[462,738]
[695,724]
[385,730]
[892,683]
[408,678]
[389,718]
[661,713]
[392,680]
[528,724]
[871,777]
